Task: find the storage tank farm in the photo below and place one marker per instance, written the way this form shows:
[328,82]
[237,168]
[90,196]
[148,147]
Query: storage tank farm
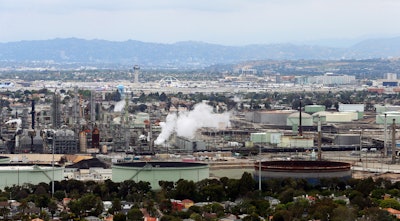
[310,170]
[184,126]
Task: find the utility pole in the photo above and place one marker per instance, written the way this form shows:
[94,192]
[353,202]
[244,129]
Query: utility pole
[394,141]
[319,139]
[385,151]
[300,123]
[259,170]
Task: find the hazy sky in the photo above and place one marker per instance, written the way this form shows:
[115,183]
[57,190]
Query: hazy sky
[228,22]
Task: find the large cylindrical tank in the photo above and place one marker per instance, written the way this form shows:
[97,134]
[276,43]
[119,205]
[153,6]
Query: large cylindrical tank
[19,174]
[380,118]
[270,117]
[337,117]
[381,109]
[314,108]
[153,172]
[82,142]
[312,171]
[4,160]
[274,117]
[293,119]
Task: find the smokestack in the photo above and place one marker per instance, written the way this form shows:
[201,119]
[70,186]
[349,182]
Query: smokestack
[96,138]
[385,151]
[33,114]
[300,125]
[319,139]
[32,132]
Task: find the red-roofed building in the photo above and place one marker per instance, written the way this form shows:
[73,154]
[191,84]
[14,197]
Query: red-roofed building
[178,206]
[187,203]
[394,212]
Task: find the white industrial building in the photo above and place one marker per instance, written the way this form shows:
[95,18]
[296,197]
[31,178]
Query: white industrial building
[332,79]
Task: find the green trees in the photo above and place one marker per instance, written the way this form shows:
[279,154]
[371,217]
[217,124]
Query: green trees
[134,214]
[364,197]
[119,217]
[88,205]
[390,203]
[185,190]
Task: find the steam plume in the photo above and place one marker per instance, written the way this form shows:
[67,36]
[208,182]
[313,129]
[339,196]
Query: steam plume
[185,124]
[119,106]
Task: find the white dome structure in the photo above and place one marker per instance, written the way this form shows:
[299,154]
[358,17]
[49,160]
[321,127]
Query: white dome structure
[293,119]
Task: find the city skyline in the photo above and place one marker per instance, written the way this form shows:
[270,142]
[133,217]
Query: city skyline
[222,22]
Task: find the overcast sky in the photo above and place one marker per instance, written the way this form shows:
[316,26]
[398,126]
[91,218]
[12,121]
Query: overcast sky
[228,22]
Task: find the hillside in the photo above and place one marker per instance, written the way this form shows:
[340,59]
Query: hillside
[183,54]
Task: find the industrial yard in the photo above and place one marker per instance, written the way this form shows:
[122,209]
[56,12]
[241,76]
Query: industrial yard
[219,125]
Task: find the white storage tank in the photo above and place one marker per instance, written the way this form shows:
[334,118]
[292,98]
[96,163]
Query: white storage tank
[380,118]
[351,107]
[314,108]
[336,117]
[19,174]
[4,160]
[278,117]
[293,119]
[386,108]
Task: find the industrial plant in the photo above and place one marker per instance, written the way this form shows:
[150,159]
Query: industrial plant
[138,139]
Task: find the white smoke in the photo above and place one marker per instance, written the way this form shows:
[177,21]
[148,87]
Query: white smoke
[17,121]
[119,106]
[185,124]
[167,128]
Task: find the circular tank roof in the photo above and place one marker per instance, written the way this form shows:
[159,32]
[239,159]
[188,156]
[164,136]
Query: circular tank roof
[162,164]
[24,166]
[303,165]
[297,115]
[312,171]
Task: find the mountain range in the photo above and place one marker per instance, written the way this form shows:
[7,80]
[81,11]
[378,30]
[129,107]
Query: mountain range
[183,54]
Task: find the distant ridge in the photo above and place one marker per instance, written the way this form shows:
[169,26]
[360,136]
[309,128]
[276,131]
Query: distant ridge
[183,54]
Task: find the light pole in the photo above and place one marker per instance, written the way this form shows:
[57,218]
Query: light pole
[385,138]
[52,164]
[259,171]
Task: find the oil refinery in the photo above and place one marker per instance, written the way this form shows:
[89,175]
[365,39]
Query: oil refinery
[141,140]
